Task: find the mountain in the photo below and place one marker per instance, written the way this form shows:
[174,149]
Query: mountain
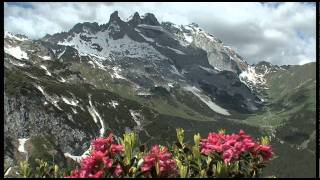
[142,75]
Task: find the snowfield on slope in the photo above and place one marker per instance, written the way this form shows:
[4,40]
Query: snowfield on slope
[207,100]
[16,52]
[250,78]
[122,47]
[47,71]
[94,113]
[136,116]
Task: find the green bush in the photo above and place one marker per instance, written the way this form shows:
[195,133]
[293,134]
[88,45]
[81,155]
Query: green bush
[218,155]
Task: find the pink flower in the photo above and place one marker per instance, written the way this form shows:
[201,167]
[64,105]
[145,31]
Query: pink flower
[101,159]
[232,146]
[102,144]
[97,161]
[227,155]
[266,152]
[98,174]
[162,157]
[117,148]
[74,174]
[118,171]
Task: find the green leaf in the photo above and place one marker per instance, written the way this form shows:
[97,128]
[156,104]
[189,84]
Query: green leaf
[183,169]
[265,140]
[196,139]
[180,135]
[222,131]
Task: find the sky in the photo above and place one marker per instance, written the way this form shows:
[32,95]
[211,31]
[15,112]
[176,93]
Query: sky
[280,33]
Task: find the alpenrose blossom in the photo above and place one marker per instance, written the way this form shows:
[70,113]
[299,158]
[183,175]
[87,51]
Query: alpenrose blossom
[118,171]
[101,143]
[106,157]
[232,146]
[162,158]
[101,159]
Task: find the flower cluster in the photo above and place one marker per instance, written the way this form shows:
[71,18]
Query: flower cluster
[101,160]
[218,155]
[160,159]
[232,146]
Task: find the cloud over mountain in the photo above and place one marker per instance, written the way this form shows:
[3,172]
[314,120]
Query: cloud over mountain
[281,33]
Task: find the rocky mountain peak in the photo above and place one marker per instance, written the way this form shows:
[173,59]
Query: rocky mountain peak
[150,19]
[135,20]
[86,26]
[114,17]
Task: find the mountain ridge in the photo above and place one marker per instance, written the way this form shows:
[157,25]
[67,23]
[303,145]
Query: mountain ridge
[77,85]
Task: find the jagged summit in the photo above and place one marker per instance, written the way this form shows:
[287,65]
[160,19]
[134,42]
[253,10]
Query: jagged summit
[150,19]
[114,17]
[135,75]
[85,26]
[135,19]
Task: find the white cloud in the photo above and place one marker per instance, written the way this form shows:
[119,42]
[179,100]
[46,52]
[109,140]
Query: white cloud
[282,33]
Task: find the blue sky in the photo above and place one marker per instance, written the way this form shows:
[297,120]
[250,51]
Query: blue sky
[282,33]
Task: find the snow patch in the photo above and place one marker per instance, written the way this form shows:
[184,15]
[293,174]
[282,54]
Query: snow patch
[90,62]
[62,80]
[175,71]
[69,101]
[59,56]
[70,117]
[45,57]
[53,100]
[16,52]
[75,158]
[207,100]
[176,51]
[116,73]
[170,84]
[10,35]
[120,47]
[45,68]
[188,38]
[251,78]
[74,111]
[33,77]
[21,145]
[94,113]
[209,69]
[17,63]
[136,116]
[8,171]
[114,103]
[144,94]
[145,37]
[78,158]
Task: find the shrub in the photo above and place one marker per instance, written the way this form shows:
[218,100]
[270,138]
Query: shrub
[218,155]
[42,170]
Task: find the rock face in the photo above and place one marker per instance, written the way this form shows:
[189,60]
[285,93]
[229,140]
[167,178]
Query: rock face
[150,19]
[21,114]
[219,56]
[135,20]
[198,54]
[137,75]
